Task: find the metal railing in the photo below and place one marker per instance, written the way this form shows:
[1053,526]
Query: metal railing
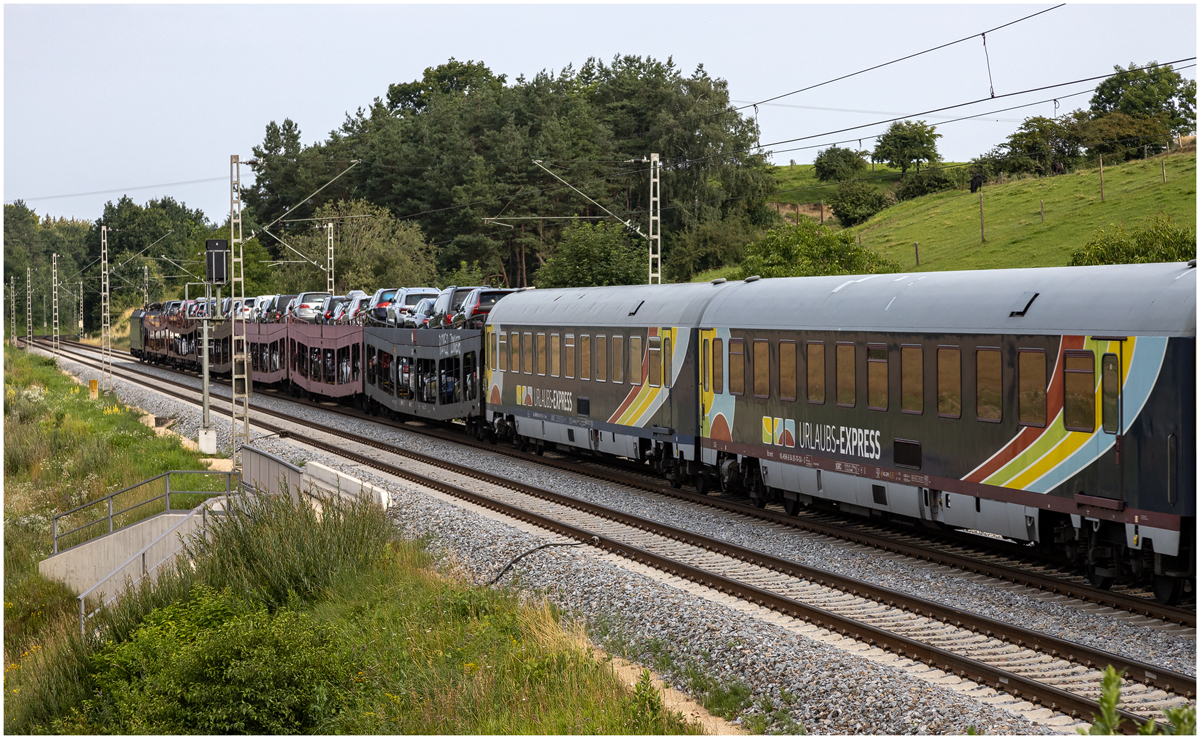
[117,519]
[140,560]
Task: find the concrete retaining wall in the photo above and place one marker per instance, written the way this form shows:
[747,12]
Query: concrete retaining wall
[82,566]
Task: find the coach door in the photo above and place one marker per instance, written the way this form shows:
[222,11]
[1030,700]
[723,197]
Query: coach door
[1112,421]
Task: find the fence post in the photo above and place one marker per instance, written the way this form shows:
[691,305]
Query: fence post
[917,251]
[1164,168]
[822,212]
[54,532]
[1043,202]
[982,237]
[110,529]
[143,563]
[168,484]
[81,607]
[1102,178]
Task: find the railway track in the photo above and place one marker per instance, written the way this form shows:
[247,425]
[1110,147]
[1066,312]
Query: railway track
[1056,673]
[969,553]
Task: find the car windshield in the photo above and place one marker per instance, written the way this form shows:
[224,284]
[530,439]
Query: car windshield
[387,295]
[487,300]
[414,298]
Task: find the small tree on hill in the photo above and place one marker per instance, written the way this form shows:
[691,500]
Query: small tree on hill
[836,164]
[808,248]
[856,201]
[907,144]
[595,255]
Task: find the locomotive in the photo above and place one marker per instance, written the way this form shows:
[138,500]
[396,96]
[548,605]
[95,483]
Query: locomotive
[1053,406]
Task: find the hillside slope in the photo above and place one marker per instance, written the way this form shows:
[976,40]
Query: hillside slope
[946,225]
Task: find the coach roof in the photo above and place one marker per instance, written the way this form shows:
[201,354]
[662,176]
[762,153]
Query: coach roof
[1139,299]
[622,305]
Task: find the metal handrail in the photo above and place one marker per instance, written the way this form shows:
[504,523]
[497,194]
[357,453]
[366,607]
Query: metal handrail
[203,509]
[111,496]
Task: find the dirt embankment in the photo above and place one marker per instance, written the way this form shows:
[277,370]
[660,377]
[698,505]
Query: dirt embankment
[792,211]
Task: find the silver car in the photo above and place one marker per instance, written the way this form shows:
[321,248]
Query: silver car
[308,306]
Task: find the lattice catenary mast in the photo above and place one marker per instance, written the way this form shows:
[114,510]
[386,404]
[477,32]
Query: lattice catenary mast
[655,277]
[105,319]
[241,357]
[28,306]
[54,299]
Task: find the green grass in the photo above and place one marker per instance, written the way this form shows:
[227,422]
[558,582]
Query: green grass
[799,184]
[62,450]
[358,633]
[946,225]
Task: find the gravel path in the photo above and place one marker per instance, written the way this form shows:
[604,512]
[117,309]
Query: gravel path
[834,692]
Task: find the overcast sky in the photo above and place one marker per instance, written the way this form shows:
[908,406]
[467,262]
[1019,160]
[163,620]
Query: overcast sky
[145,100]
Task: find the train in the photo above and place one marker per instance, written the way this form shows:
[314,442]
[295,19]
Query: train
[1054,407]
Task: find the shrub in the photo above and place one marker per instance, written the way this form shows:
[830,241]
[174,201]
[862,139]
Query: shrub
[808,248]
[925,182]
[836,164]
[1157,242]
[856,201]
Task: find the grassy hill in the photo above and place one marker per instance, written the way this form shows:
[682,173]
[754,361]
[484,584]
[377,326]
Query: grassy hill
[947,224]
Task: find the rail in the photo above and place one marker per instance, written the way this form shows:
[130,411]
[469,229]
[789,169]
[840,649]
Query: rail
[113,517]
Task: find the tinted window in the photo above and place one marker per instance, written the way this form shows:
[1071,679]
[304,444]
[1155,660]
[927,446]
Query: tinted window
[386,296]
[618,359]
[601,358]
[514,341]
[541,354]
[816,372]
[555,355]
[762,368]
[987,385]
[492,349]
[1031,387]
[414,298]
[737,367]
[1110,379]
[569,356]
[949,382]
[845,374]
[529,354]
[705,365]
[877,377]
[718,365]
[787,370]
[912,379]
[585,357]
[1079,391]
[635,359]
[487,300]
[654,373]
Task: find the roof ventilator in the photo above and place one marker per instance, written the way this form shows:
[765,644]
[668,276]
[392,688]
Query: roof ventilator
[635,310]
[719,281]
[752,278]
[1023,303]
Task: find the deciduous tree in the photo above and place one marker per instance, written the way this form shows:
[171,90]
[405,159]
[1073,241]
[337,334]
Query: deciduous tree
[907,144]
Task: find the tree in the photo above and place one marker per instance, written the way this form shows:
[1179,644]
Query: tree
[808,248]
[595,255]
[1157,91]
[1120,136]
[1158,241]
[1041,141]
[927,182]
[836,164]
[856,201]
[907,143]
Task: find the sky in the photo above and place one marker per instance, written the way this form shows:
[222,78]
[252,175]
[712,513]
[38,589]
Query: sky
[148,100]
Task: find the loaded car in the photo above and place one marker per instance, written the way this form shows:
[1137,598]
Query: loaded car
[477,305]
[449,305]
[404,300]
[277,310]
[328,306]
[308,306]
[419,316]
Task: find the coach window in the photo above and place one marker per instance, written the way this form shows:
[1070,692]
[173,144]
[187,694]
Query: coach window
[569,356]
[528,353]
[635,360]
[705,373]
[514,343]
[655,363]
[1079,391]
[762,368]
[737,367]
[601,358]
[667,361]
[718,365]
[1031,387]
[555,355]
[949,382]
[877,377]
[502,352]
[492,348]
[585,357]
[1110,381]
[618,359]
[987,384]
[787,370]
[845,374]
[816,371]
[541,354]
[912,379]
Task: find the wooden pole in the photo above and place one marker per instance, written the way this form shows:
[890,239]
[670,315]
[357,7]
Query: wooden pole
[917,251]
[1164,168]
[1043,202]
[822,212]
[860,239]
[1101,178]
[982,237]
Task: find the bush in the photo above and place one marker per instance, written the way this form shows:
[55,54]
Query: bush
[808,248]
[836,164]
[217,665]
[1157,242]
[856,201]
[597,255]
[925,182]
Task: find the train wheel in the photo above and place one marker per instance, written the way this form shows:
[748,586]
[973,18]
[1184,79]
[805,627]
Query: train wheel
[702,482]
[791,506]
[1168,590]
[1098,580]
